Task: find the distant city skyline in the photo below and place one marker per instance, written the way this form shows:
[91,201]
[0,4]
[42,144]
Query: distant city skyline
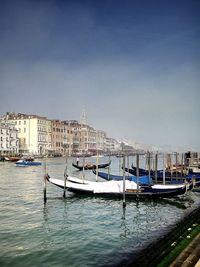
[133,65]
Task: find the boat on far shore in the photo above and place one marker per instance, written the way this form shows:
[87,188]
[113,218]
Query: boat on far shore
[91,166]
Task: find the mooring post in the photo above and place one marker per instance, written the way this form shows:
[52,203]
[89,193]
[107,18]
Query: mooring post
[83,173]
[65,179]
[156,167]
[124,182]
[45,182]
[109,169]
[163,168]
[176,158]
[149,165]
[97,164]
[137,172]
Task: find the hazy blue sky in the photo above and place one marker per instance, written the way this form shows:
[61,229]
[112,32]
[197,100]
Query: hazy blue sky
[134,65]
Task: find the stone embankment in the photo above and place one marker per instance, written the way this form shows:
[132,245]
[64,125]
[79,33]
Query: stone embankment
[160,253]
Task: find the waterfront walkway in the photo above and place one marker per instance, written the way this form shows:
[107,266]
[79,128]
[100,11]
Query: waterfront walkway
[157,254]
[190,256]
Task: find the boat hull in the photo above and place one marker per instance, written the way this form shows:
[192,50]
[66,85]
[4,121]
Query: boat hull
[115,188]
[91,166]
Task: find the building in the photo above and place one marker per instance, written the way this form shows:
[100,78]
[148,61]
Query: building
[34,133]
[9,143]
[71,137]
[57,137]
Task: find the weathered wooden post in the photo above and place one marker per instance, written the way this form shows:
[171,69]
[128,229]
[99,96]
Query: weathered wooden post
[149,165]
[137,173]
[83,173]
[109,169]
[176,162]
[156,167]
[97,164]
[45,182]
[124,182]
[65,180]
[163,168]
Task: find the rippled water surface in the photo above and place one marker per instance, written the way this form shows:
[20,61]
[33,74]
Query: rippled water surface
[76,231]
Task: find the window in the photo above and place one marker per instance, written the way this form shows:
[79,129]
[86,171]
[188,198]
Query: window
[24,130]
[24,122]
[19,122]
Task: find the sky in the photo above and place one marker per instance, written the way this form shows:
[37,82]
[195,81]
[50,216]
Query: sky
[132,65]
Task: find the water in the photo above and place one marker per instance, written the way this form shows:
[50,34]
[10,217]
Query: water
[76,231]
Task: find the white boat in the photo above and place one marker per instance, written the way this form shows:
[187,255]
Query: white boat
[111,188]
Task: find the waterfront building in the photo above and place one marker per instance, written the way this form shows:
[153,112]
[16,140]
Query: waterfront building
[41,136]
[112,145]
[101,141]
[34,133]
[57,137]
[71,137]
[9,142]
[88,139]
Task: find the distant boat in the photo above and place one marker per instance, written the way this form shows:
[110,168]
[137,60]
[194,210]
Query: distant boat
[89,166]
[13,159]
[25,163]
[115,188]
[16,158]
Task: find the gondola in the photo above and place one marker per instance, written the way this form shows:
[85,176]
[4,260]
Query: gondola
[89,166]
[116,188]
[143,180]
[168,175]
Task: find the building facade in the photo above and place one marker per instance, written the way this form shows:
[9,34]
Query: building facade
[57,137]
[34,133]
[9,142]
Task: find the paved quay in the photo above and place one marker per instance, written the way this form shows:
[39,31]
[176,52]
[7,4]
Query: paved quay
[154,254]
[190,256]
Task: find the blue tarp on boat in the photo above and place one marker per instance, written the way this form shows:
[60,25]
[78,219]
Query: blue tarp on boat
[143,180]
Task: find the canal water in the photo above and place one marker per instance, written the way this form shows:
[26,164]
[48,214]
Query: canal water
[76,231]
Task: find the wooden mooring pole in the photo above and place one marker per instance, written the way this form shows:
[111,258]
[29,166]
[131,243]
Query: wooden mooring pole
[137,173]
[45,182]
[124,183]
[109,169]
[156,167]
[65,180]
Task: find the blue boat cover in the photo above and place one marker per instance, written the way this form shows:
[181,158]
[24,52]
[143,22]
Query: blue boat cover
[142,179]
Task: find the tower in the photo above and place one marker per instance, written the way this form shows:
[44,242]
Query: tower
[83,117]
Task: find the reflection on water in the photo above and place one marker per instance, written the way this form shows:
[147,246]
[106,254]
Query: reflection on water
[90,231]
